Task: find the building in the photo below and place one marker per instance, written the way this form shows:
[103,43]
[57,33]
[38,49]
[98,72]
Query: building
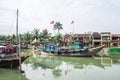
[96,39]
[83,38]
[67,39]
[106,39]
[116,40]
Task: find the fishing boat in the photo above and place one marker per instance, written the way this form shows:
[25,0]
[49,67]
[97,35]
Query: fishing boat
[9,58]
[114,52]
[12,62]
[88,52]
[50,47]
[76,49]
[10,55]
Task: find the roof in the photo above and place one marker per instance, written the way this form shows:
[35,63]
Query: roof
[82,35]
[105,33]
[96,35]
[67,36]
[115,35]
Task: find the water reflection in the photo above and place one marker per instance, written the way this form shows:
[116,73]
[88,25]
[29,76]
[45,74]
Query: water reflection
[11,74]
[70,68]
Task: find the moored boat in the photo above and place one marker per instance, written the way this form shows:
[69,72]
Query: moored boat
[10,54]
[9,57]
[12,62]
[50,47]
[85,53]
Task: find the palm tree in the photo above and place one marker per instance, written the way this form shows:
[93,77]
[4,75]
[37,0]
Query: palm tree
[57,39]
[45,35]
[58,26]
[27,37]
[8,38]
[35,33]
[13,38]
[2,38]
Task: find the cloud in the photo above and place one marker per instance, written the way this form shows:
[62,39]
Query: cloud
[89,15]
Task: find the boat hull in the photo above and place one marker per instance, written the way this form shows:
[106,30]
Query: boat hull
[12,63]
[86,53]
[114,52]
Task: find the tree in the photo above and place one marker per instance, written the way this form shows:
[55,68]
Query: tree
[13,38]
[45,35]
[58,26]
[27,37]
[35,33]
[2,38]
[57,39]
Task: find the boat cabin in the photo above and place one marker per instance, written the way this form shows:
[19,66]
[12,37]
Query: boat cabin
[51,48]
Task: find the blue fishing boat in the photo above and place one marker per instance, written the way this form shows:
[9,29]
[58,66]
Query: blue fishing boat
[50,47]
[87,52]
[75,47]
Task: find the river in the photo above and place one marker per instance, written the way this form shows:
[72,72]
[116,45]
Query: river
[64,68]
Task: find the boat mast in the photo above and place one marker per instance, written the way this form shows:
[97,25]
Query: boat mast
[18,41]
[17,27]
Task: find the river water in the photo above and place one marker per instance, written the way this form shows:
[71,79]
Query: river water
[64,68]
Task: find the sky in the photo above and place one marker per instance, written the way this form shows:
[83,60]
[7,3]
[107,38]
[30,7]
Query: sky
[88,15]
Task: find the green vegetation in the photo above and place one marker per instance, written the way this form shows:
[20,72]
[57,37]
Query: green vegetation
[44,35]
[58,26]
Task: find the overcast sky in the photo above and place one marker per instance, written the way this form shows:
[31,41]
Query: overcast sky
[88,15]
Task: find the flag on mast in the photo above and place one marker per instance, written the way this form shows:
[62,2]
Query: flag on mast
[72,22]
[52,22]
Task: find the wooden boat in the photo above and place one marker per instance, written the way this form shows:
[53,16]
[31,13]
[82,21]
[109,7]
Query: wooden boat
[51,48]
[85,53]
[9,58]
[114,52]
[9,55]
[12,62]
[96,49]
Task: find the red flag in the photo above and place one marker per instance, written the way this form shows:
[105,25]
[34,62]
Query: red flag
[44,30]
[52,22]
[72,22]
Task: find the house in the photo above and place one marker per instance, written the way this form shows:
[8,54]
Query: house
[83,38]
[106,39]
[116,40]
[67,38]
[96,39]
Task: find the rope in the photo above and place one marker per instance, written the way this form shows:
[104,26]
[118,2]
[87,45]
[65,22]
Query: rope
[11,25]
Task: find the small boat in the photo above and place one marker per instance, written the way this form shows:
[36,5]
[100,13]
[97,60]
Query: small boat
[114,52]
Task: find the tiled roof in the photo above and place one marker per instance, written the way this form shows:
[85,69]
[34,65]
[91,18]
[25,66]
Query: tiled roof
[105,33]
[96,35]
[115,35]
[67,36]
[81,35]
